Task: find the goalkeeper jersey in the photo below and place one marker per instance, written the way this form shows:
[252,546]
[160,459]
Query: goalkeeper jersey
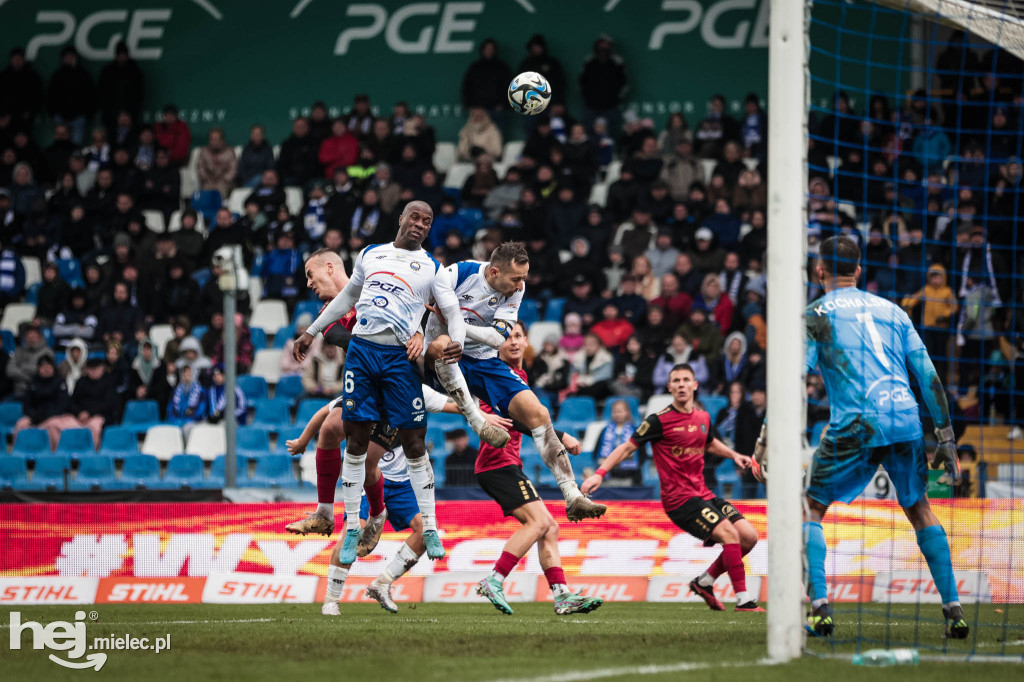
[862,343]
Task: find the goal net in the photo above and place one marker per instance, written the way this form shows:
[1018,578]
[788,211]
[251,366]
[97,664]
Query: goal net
[914,135]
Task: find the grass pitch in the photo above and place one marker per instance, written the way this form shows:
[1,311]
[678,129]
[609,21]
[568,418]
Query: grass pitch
[473,642]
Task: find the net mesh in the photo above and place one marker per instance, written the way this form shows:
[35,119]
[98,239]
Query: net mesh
[914,139]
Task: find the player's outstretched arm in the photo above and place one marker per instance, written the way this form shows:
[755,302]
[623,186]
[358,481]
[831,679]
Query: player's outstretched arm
[448,304]
[297,446]
[717,447]
[938,407]
[487,335]
[618,454]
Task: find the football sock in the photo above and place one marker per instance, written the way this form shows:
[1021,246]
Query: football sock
[556,581]
[504,565]
[328,468]
[554,455]
[716,569]
[814,542]
[375,496]
[421,476]
[353,475]
[400,564]
[935,547]
[336,576]
[733,556]
[455,384]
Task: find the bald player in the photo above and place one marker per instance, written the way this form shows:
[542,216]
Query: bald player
[390,288]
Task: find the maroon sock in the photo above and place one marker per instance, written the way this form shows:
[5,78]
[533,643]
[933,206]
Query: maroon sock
[375,496]
[732,557]
[506,562]
[328,469]
[718,567]
[555,576]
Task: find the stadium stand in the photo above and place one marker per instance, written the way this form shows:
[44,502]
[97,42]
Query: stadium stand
[163,441]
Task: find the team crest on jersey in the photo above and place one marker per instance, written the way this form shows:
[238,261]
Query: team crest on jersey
[492,302]
[703,428]
[415,266]
[349,404]
[380,302]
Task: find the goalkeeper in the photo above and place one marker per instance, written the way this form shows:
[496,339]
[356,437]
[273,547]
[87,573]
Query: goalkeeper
[863,344]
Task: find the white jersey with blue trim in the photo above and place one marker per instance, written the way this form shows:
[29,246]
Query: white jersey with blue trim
[481,305]
[396,286]
[394,466]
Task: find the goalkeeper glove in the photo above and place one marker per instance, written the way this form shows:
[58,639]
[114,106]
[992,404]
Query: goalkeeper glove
[760,466]
[946,457]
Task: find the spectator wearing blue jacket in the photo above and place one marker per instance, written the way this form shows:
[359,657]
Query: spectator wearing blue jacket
[617,432]
[282,270]
[188,401]
[216,399]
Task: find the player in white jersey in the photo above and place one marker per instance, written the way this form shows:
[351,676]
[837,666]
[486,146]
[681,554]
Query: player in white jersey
[403,510]
[489,297]
[390,286]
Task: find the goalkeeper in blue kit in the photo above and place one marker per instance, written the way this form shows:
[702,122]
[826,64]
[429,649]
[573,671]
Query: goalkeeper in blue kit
[863,345]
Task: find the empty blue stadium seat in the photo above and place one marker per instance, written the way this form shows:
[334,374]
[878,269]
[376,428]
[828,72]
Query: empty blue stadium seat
[311,307]
[291,433]
[534,467]
[140,415]
[216,479]
[10,343]
[32,293]
[141,471]
[289,387]
[49,472]
[254,387]
[94,473]
[447,421]
[258,338]
[713,403]
[13,473]
[76,444]
[207,202]
[253,443]
[634,408]
[308,408]
[435,438]
[31,444]
[553,312]
[272,471]
[272,414]
[726,475]
[71,271]
[528,312]
[10,413]
[474,220]
[119,442]
[282,336]
[185,471]
[578,408]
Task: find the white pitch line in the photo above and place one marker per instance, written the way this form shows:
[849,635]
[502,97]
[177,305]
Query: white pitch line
[581,675]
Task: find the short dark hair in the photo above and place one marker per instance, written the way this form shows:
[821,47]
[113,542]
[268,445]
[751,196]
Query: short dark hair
[839,256]
[508,253]
[682,366]
[324,251]
[521,325]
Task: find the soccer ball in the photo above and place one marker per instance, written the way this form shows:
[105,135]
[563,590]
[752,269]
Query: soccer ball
[529,93]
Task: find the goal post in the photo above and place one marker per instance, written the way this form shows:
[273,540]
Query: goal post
[786,256]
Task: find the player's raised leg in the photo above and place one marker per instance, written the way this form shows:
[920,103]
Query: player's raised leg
[703,585]
[451,377]
[527,409]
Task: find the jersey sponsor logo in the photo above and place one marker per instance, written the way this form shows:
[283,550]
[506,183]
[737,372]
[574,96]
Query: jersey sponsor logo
[691,428]
[380,301]
[417,403]
[386,287]
[467,297]
[644,427]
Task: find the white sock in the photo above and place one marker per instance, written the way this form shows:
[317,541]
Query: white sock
[743,597]
[421,476]
[325,509]
[496,577]
[949,605]
[400,564]
[554,455]
[353,475]
[336,576]
[705,580]
[818,602]
[558,589]
[456,386]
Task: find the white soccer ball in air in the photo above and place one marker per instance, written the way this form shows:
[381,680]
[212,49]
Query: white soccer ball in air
[529,93]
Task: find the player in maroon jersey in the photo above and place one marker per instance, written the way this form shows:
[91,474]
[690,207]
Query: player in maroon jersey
[326,277]
[499,471]
[679,436]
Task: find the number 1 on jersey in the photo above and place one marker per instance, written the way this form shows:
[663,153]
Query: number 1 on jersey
[876,339]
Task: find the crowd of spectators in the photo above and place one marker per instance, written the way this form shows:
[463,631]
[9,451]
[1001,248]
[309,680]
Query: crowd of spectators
[647,240]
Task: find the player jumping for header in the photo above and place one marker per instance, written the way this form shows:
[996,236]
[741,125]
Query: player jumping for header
[390,287]
[863,343]
[500,473]
[489,297]
[680,435]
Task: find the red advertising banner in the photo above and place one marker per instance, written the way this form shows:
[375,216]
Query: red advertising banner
[240,553]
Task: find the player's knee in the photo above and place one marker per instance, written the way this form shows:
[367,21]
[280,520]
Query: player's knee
[551,530]
[727,533]
[748,540]
[436,348]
